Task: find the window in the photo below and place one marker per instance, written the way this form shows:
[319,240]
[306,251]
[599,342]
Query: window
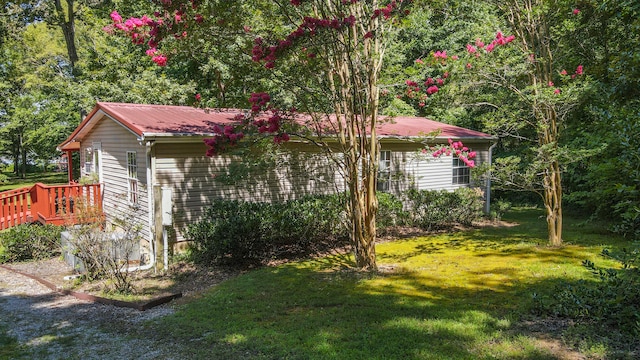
[132,177]
[460,172]
[384,171]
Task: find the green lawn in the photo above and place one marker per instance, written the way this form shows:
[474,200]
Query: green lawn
[49,178]
[451,296]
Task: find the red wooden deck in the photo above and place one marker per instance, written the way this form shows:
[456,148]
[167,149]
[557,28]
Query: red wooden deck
[47,204]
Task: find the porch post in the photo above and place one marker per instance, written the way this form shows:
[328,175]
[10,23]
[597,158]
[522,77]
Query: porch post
[69,166]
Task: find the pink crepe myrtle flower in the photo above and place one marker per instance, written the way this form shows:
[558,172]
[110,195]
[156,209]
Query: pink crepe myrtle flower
[432,90]
[576,11]
[115,16]
[556,91]
[160,60]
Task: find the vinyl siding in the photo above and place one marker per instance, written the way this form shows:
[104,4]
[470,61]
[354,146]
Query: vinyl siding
[412,169]
[115,142]
[197,179]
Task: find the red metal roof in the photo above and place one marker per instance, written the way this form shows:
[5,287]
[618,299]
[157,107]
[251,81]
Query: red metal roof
[166,120]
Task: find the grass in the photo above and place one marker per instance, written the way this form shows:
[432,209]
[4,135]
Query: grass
[9,346]
[48,178]
[449,296]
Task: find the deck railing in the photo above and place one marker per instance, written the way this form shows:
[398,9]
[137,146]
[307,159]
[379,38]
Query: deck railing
[57,204]
[48,204]
[14,208]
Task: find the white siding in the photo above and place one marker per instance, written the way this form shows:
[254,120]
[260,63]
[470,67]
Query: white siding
[192,176]
[115,141]
[412,169]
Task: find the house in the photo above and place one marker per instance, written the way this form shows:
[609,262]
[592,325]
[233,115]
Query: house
[152,164]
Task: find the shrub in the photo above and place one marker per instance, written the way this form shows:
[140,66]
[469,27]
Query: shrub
[29,242]
[390,211]
[246,233]
[432,210]
[105,255]
[613,301]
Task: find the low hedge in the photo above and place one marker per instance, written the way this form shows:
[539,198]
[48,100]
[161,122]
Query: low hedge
[248,233]
[29,242]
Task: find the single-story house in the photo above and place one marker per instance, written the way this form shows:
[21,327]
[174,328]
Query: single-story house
[141,152]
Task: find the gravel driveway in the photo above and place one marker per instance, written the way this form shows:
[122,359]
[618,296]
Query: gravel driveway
[55,326]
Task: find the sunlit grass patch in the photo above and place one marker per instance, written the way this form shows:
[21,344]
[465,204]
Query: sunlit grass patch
[447,296]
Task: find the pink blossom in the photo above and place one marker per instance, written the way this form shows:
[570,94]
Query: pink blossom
[455,57]
[563,72]
[471,49]
[411,83]
[472,155]
[295,2]
[161,60]
[432,90]
[151,52]
[440,54]
[550,84]
[469,66]
[579,70]
[479,43]
[198,97]
[369,35]
[576,11]
[556,91]
[509,38]
[490,47]
[115,16]
[419,61]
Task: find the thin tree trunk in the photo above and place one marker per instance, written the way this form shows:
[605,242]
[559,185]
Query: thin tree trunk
[66,21]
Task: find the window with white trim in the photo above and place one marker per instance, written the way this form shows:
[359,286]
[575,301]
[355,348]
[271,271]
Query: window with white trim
[461,172]
[384,172]
[132,177]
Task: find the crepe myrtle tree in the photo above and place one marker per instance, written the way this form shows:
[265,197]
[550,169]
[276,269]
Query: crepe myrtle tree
[341,44]
[546,86]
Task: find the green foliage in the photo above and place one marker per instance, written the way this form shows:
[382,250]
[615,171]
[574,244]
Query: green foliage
[29,242]
[250,233]
[390,211]
[431,210]
[246,233]
[613,301]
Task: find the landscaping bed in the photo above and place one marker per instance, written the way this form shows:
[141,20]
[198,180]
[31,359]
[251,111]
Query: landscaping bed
[182,278]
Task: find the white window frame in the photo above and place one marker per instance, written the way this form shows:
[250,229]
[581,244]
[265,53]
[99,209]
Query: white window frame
[133,195]
[461,174]
[383,182]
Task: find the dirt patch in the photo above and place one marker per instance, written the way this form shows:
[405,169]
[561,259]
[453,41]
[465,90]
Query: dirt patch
[184,278]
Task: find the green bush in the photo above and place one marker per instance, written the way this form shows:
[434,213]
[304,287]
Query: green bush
[245,233]
[390,211]
[612,302]
[248,233]
[432,210]
[29,242]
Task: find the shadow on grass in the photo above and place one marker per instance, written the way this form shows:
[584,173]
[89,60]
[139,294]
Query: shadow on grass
[300,313]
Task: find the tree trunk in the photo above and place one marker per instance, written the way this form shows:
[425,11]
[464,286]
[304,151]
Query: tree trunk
[66,21]
[23,152]
[553,203]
